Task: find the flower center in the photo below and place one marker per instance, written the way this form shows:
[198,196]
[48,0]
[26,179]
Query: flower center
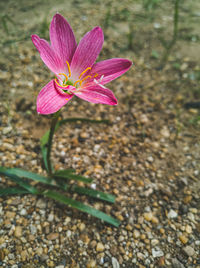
[66,81]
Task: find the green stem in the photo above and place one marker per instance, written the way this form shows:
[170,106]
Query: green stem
[175,31]
[50,139]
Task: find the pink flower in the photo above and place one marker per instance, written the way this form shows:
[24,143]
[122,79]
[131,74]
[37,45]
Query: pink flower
[75,68]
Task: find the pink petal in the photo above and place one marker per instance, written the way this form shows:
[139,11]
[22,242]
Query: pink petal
[50,99]
[96,94]
[62,38]
[110,69]
[87,51]
[47,54]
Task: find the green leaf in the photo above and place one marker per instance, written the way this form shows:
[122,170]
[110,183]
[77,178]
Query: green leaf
[12,190]
[82,207]
[66,174]
[44,139]
[25,174]
[93,193]
[44,156]
[18,181]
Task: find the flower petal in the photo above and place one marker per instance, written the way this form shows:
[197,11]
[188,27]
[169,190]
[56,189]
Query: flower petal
[50,99]
[87,51]
[47,54]
[62,38]
[96,94]
[110,69]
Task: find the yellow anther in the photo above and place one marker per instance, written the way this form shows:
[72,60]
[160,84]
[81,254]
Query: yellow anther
[69,70]
[64,76]
[78,81]
[96,75]
[59,84]
[88,76]
[88,68]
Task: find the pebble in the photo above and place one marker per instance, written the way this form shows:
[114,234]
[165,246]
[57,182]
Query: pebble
[100,247]
[157,252]
[18,231]
[172,214]
[91,264]
[23,212]
[136,234]
[177,264]
[183,239]
[50,217]
[148,216]
[188,229]
[115,263]
[189,251]
[52,236]
[41,203]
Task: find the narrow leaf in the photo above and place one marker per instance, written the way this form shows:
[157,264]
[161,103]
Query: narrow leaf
[25,174]
[93,193]
[65,174]
[82,207]
[12,190]
[20,182]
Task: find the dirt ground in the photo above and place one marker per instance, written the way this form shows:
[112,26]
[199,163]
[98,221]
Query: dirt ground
[148,156]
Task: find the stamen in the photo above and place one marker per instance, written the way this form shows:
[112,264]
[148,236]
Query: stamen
[59,84]
[96,75]
[64,76]
[78,81]
[88,68]
[88,76]
[69,70]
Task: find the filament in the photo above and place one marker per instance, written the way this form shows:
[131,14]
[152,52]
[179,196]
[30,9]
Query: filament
[59,84]
[78,81]
[69,70]
[64,76]
[88,76]
[88,68]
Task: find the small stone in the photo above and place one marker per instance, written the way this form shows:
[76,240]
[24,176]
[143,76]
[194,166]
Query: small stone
[188,229]
[52,236]
[115,263]
[154,242]
[155,220]
[99,247]
[136,234]
[50,217]
[81,227]
[44,257]
[91,264]
[68,233]
[157,252]
[177,264]
[187,199]
[161,261]
[24,255]
[183,239]
[165,132]
[2,255]
[172,214]
[41,204]
[148,216]
[39,251]
[23,212]
[18,231]
[189,251]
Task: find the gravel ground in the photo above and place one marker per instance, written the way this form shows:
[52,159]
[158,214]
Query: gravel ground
[148,156]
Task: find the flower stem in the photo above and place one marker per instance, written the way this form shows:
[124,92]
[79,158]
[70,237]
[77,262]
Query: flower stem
[50,139]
